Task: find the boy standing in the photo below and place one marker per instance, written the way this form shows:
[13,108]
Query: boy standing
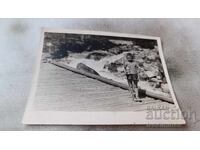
[131,70]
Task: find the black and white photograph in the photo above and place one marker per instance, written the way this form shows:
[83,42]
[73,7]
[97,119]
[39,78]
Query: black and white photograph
[109,66]
[94,77]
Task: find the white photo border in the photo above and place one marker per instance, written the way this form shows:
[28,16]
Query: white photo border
[95,118]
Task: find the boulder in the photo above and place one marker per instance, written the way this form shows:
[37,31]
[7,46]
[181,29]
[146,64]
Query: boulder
[143,76]
[148,67]
[115,50]
[112,67]
[140,62]
[157,85]
[126,47]
[85,68]
[165,88]
[150,74]
[141,55]
[121,69]
[152,56]
[137,48]
[97,55]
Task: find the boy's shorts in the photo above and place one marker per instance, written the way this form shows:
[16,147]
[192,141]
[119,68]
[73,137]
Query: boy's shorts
[132,78]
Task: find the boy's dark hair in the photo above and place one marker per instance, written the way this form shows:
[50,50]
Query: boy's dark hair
[130,55]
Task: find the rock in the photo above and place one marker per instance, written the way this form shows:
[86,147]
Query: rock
[157,85]
[147,66]
[150,74]
[165,88]
[137,48]
[120,69]
[152,56]
[141,55]
[140,62]
[85,68]
[112,67]
[150,67]
[106,65]
[97,55]
[146,51]
[152,84]
[156,80]
[126,48]
[143,76]
[115,50]
[159,77]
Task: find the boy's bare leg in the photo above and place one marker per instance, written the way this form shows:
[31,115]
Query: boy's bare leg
[131,89]
[134,90]
[136,93]
[133,93]
[137,99]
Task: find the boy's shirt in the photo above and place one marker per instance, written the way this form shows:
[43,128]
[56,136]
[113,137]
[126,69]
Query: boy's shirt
[130,67]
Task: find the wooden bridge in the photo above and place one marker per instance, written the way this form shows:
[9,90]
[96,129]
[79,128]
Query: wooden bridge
[63,90]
